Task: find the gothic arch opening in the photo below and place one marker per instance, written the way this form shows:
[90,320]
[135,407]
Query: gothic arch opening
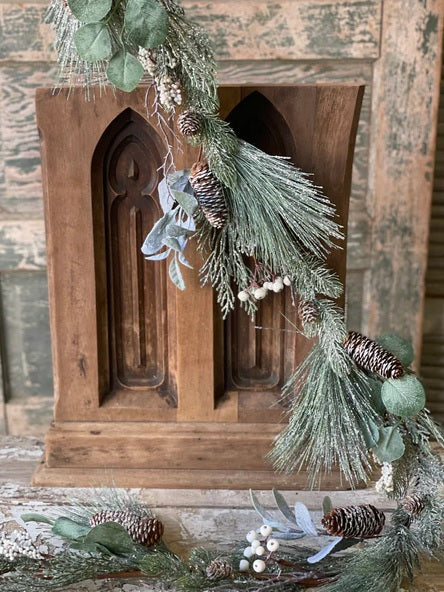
[259,359]
[131,294]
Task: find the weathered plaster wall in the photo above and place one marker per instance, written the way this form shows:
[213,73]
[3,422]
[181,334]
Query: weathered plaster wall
[268,41]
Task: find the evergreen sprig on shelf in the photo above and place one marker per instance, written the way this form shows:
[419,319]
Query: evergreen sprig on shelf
[108,550]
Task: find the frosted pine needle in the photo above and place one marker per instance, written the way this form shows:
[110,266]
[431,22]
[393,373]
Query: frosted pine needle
[330,414]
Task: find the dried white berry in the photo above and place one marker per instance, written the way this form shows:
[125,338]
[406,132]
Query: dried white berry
[268,285]
[260,293]
[255,544]
[278,287]
[265,530]
[259,566]
[287,281]
[243,296]
[259,550]
[244,565]
[272,545]
[252,536]
[248,552]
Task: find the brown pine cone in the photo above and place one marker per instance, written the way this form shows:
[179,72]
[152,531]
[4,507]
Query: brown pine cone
[189,123]
[218,570]
[142,529]
[354,521]
[371,356]
[414,504]
[209,192]
[308,311]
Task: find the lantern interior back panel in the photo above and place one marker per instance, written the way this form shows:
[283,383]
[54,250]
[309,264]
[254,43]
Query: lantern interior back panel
[152,388]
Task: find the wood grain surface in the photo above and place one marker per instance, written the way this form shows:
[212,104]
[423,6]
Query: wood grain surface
[127,346]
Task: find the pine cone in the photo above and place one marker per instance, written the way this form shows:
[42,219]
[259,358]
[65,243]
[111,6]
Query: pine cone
[218,570]
[371,356]
[308,311]
[189,123]
[414,504]
[142,529]
[210,194]
[354,521]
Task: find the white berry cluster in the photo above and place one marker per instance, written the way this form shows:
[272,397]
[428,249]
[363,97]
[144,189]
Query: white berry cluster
[262,546]
[385,483]
[147,60]
[17,544]
[258,292]
[170,93]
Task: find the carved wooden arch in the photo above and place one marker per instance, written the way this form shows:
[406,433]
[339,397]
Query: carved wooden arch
[261,359]
[131,295]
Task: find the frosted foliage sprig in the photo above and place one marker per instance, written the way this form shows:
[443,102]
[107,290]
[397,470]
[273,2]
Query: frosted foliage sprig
[17,544]
[327,422]
[385,482]
[72,69]
[288,206]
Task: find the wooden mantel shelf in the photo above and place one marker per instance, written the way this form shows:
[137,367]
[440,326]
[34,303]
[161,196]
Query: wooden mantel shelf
[191,516]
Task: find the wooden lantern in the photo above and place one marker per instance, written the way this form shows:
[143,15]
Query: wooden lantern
[152,388]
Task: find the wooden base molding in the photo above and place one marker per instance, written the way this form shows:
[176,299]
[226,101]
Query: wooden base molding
[207,455]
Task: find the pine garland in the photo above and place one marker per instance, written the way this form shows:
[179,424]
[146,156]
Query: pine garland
[350,397]
[327,422]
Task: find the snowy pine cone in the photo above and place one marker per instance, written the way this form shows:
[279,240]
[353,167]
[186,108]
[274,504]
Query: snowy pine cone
[142,529]
[308,311]
[371,356]
[209,192]
[414,504]
[354,521]
[218,570]
[188,123]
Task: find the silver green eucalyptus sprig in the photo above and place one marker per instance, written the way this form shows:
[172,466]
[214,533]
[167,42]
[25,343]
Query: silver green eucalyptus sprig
[170,234]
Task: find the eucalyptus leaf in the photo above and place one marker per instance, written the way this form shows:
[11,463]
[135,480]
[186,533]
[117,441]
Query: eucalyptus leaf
[146,22]
[263,513]
[176,274]
[375,395]
[93,42]
[259,507]
[160,256]
[90,11]
[36,518]
[398,346]
[327,505]
[324,551]
[124,71]
[338,544]
[165,197]
[303,519]
[69,529]
[186,201]
[154,240]
[403,396]
[289,535]
[283,507]
[184,260]
[89,547]
[113,537]
[370,432]
[390,444]
[180,180]
[173,243]
[175,231]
